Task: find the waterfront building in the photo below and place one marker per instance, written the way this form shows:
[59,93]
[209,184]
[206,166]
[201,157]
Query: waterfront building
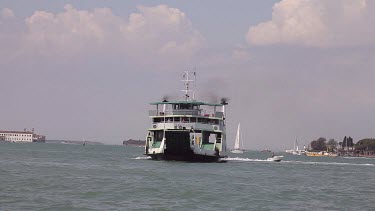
[21,136]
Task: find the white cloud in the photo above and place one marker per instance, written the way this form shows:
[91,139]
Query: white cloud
[7,13]
[316,23]
[165,29]
[72,30]
[11,38]
[241,54]
[159,31]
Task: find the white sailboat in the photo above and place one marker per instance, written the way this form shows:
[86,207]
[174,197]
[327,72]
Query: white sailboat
[237,148]
[296,150]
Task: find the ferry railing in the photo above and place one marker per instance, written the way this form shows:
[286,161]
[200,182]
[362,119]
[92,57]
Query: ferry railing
[186,112]
[182,120]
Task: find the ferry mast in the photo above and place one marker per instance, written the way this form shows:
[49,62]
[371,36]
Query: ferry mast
[187,80]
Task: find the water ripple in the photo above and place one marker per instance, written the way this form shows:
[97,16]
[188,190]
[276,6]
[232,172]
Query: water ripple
[68,177]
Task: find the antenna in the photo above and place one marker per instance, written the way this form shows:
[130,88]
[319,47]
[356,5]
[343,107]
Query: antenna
[187,78]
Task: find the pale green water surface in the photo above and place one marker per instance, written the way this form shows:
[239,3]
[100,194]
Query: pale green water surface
[94,177]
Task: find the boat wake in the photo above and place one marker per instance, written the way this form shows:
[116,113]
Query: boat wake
[297,162]
[245,159]
[368,158]
[330,163]
[142,158]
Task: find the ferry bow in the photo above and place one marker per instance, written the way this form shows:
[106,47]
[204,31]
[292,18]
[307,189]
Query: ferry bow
[187,130]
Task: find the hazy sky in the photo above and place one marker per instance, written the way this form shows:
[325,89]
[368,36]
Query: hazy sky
[73,69]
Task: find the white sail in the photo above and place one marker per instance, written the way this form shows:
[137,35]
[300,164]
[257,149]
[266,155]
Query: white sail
[237,142]
[296,145]
[237,148]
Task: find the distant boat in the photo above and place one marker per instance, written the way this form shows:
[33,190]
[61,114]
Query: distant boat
[84,142]
[275,158]
[237,148]
[266,150]
[321,153]
[295,150]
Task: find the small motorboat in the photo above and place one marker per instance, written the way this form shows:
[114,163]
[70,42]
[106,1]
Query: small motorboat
[275,158]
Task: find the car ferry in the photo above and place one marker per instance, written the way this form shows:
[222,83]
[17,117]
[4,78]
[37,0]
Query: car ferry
[186,129]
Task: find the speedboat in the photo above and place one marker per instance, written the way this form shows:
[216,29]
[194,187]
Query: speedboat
[275,158]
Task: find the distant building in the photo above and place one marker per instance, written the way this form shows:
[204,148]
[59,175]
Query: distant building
[342,146]
[39,138]
[21,136]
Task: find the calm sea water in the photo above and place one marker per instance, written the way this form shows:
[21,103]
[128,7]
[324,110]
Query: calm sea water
[94,177]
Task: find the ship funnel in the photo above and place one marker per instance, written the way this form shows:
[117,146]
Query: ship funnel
[224,101]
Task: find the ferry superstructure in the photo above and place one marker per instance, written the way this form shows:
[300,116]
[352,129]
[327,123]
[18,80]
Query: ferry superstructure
[187,130]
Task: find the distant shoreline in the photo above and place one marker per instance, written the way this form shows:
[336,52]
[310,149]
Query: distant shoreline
[73,142]
[132,142]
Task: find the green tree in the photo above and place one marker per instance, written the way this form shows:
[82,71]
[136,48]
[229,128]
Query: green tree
[367,144]
[347,142]
[319,145]
[332,145]
[350,142]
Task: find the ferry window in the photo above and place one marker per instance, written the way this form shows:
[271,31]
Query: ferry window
[218,138]
[185,106]
[195,107]
[184,119]
[193,119]
[205,138]
[213,121]
[158,135]
[156,120]
[177,119]
[208,138]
